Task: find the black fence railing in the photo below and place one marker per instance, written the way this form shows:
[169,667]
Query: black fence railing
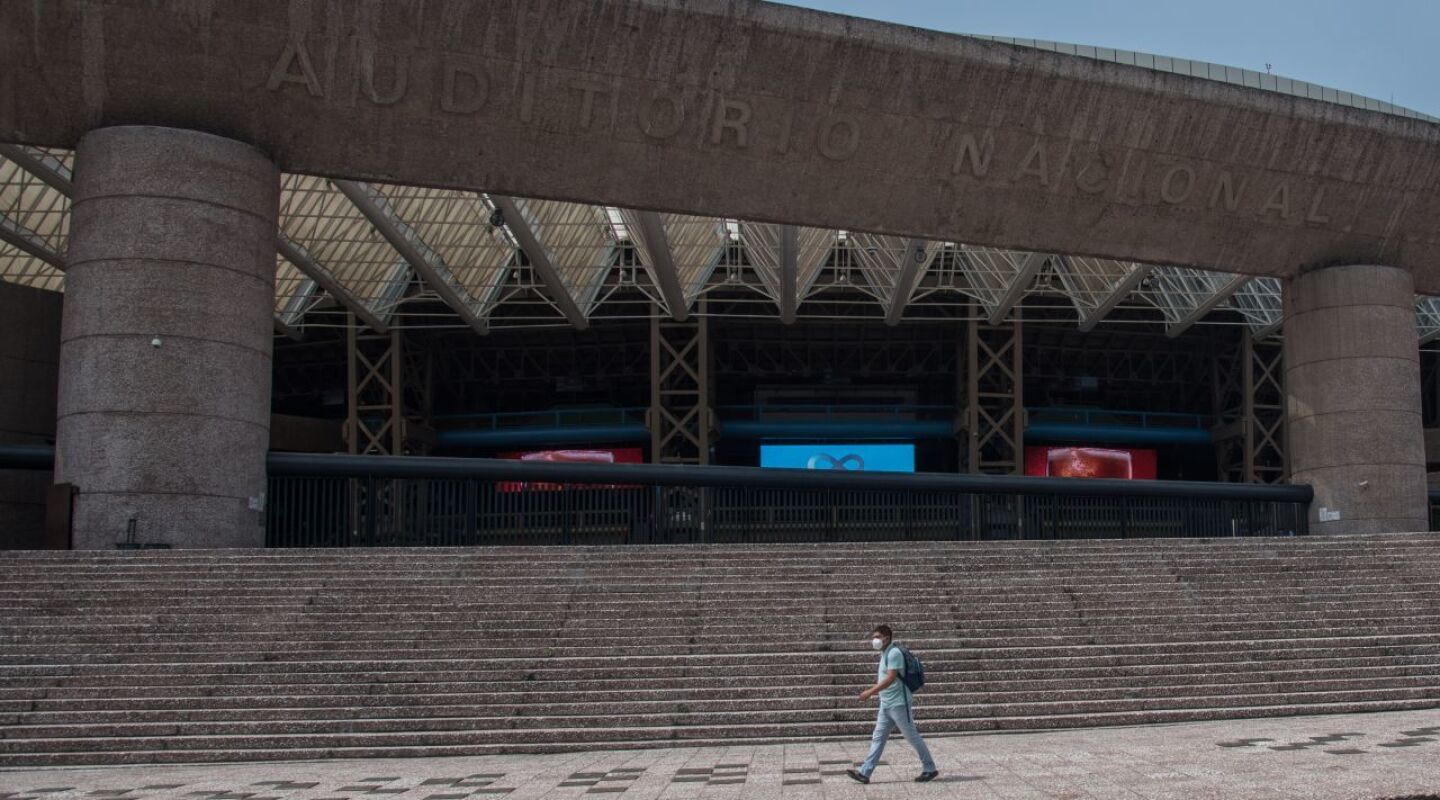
[339,501]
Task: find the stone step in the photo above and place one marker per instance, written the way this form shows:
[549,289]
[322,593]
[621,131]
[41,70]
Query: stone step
[281,649]
[97,749]
[633,739]
[941,659]
[338,688]
[400,681]
[846,651]
[760,699]
[941,620]
[117,581]
[625,715]
[151,656]
[823,610]
[342,607]
[574,641]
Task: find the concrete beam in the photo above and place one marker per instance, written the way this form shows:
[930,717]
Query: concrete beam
[1117,296]
[1206,306]
[29,242]
[657,242]
[420,257]
[789,273]
[296,254]
[539,257]
[1029,268]
[263,73]
[910,273]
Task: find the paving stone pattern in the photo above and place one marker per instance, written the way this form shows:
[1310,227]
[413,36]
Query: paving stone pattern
[223,656]
[1410,738]
[1197,761]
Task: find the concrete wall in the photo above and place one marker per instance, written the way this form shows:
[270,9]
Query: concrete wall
[29,366]
[752,110]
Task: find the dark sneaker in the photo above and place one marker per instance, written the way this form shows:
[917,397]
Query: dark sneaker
[926,777]
[857,776]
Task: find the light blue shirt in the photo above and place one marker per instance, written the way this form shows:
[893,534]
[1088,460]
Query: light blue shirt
[896,694]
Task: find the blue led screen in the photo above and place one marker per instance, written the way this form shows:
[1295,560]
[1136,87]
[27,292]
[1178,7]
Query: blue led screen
[852,457]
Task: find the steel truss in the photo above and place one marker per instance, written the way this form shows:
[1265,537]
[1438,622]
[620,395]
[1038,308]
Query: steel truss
[388,399]
[680,418]
[994,416]
[359,243]
[1250,405]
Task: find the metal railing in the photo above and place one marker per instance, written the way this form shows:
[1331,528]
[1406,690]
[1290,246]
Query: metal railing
[337,501]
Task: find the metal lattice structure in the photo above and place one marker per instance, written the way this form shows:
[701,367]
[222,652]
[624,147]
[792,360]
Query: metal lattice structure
[680,415]
[1249,391]
[385,255]
[388,396]
[995,403]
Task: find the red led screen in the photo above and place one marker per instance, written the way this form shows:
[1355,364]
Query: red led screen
[617,455]
[1090,462]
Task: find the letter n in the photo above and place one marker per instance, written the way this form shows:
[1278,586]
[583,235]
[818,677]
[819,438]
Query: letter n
[977,154]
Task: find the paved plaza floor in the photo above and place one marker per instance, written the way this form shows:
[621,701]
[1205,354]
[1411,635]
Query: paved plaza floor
[1360,756]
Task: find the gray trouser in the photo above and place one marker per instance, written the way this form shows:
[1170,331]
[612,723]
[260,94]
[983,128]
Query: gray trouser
[888,720]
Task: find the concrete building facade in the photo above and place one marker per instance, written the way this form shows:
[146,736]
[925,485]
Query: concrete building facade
[182,119]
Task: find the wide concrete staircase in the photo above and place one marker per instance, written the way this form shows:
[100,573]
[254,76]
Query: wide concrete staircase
[193,656]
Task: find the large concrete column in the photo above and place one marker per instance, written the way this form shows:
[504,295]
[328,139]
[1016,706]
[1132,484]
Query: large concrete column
[1352,384]
[165,351]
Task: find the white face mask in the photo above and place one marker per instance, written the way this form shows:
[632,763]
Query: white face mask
[876,644]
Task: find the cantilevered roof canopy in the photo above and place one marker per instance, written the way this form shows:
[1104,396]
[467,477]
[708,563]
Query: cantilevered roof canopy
[940,155]
[334,263]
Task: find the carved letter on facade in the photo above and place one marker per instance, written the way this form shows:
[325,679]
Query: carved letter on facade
[662,115]
[295,55]
[731,115]
[787,128]
[398,84]
[1094,177]
[978,154]
[835,144]
[588,90]
[465,89]
[527,98]
[1314,215]
[1034,164]
[1178,183]
[1227,191]
[1279,201]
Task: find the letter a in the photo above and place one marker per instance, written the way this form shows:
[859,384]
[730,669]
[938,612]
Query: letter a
[1279,201]
[282,74]
[1034,164]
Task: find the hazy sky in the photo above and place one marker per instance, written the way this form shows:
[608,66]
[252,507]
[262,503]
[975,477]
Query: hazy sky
[1386,49]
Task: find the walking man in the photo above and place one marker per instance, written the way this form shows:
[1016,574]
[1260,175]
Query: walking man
[894,709]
